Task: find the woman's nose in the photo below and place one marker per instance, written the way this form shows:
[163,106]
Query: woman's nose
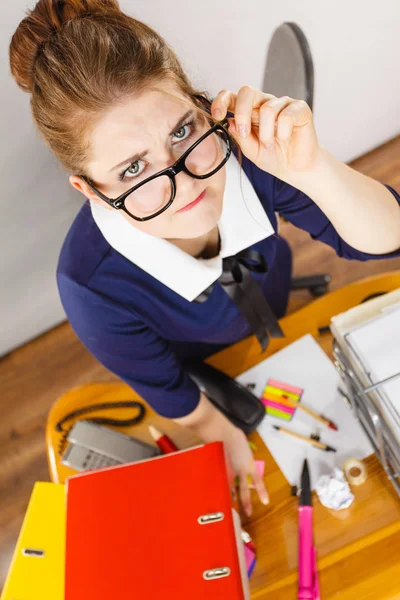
[185,187]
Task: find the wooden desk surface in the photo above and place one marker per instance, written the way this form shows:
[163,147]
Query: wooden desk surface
[358,549]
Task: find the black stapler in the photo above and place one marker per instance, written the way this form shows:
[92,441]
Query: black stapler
[235,401]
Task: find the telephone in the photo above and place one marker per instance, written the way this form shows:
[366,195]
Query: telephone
[91,446]
[87,445]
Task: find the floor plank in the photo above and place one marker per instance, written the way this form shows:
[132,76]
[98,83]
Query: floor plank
[33,376]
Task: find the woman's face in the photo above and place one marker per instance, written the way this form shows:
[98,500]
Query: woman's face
[143,124]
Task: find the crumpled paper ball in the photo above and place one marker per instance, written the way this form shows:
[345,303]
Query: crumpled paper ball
[334,491]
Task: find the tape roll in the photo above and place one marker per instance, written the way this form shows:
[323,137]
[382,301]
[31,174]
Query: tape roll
[355,471]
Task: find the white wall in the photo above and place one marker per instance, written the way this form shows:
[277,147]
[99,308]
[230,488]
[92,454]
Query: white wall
[37,206]
[355,45]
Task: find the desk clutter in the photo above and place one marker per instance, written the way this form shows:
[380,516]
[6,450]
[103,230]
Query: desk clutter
[324,430]
[153,522]
[162,527]
[367,355]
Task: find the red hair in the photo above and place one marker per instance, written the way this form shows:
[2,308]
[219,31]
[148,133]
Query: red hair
[78,57]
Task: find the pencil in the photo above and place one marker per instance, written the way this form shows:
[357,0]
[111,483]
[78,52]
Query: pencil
[165,444]
[246,539]
[315,443]
[310,412]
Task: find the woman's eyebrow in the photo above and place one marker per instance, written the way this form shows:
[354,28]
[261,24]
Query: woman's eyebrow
[140,155]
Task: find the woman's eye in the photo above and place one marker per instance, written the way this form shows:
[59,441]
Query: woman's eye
[134,170]
[183,132]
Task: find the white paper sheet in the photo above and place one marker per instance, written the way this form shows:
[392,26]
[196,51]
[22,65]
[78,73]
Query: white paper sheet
[377,345]
[303,364]
[366,315]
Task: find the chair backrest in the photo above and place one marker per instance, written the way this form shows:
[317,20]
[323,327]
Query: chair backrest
[289,69]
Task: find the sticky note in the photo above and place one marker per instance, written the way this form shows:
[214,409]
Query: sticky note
[250,560]
[260,466]
[277,398]
[285,386]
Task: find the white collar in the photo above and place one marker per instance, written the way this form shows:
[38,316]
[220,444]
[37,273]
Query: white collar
[243,223]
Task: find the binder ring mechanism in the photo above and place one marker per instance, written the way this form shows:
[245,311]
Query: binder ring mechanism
[216,573]
[219,572]
[211,518]
[33,552]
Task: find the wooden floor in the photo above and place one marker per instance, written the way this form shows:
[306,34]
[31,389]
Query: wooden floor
[33,376]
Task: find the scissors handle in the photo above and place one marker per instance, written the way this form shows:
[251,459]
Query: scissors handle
[305,594]
[316,592]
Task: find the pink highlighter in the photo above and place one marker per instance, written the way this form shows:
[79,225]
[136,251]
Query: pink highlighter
[308,574]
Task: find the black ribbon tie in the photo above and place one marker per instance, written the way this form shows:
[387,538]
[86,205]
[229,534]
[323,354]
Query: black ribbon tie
[245,292]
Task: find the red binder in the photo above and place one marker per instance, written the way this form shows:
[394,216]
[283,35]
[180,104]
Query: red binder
[159,529]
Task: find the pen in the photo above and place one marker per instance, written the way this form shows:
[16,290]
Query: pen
[315,443]
[308,574]
[312,413]
[246,539]
[165,444]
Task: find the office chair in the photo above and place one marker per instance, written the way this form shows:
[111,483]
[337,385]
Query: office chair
[289,71]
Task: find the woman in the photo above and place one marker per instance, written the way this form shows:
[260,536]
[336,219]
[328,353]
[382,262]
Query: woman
[141,274]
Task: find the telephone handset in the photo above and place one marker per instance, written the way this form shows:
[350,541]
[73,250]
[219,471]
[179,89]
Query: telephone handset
[87,445]
[92,446]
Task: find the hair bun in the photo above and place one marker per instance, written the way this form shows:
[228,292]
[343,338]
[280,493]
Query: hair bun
[37,28]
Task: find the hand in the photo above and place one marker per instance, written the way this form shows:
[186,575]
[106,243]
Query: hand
[243,464]
[211,425]
[277,134]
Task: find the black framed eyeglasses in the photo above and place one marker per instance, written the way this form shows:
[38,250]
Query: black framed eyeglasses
[156,193]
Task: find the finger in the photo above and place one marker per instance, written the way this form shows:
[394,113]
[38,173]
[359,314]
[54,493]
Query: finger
[232,128]
[248,101]
[220,104]
[243,109]
[269,113]
[244,492]
[226,100]
[296,114]
[284,126]
[260,486]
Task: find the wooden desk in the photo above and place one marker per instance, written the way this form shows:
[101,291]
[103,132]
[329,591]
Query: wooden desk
[359,548]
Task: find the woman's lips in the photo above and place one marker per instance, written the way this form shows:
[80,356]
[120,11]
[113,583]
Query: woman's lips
[194,203]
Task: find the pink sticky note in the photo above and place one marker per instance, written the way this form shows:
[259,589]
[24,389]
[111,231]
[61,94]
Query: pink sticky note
[286,409]
[260,466]
[285,386]
[250,560]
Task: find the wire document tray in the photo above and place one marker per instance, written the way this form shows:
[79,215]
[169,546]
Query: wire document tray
[371,407]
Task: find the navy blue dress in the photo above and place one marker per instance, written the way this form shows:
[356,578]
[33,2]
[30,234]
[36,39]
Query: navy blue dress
[142,330]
